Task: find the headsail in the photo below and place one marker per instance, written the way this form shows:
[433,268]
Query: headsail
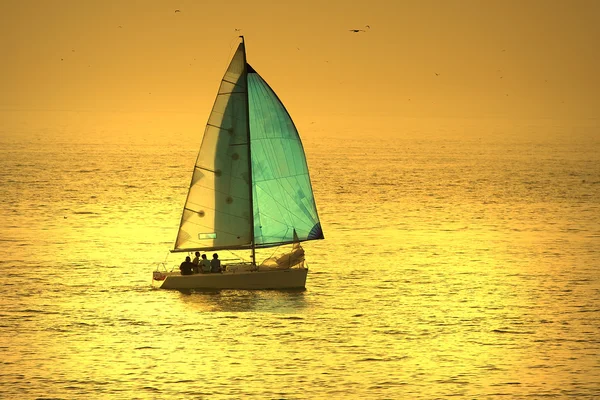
[282,195]
[218,211]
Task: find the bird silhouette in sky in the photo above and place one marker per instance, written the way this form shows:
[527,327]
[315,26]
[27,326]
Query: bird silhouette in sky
[177,11]
[360,30]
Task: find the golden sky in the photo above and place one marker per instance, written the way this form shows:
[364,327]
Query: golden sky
[418,59]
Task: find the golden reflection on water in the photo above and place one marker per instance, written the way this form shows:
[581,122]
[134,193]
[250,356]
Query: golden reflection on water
[450,268]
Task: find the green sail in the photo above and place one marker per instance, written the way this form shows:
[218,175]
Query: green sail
[282,197]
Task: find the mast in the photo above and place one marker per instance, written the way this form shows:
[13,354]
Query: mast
[249,157]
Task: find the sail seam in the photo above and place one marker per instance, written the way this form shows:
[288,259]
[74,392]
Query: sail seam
[206,169]
[220,192]
[217,126]
[228,81]
[278,178]
[216,212]
[219,231]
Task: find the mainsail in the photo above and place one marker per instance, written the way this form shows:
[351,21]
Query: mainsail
[236,204]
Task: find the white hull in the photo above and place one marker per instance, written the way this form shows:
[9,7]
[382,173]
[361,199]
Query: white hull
[292,278]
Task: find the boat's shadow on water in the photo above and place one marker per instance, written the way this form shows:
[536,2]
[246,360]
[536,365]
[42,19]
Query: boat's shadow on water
[288,300]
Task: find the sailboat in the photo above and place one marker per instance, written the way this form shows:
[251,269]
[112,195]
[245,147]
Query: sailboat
[250,189]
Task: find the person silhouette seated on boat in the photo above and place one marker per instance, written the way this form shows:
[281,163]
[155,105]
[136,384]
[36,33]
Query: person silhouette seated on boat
[204,265]
[186,267]
[215,264]
[196,263]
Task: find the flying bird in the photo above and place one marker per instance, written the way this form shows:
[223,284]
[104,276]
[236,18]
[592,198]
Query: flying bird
[437,74]
[360,30]
[177,11]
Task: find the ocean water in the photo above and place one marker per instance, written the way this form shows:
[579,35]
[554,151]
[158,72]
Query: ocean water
[461,260]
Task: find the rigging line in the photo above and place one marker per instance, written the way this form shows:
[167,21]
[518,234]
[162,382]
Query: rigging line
[283,124]
[284,223]
[279,102]
[229,56]
[268,217]
[236,255]
[280,235]
[277,124]
[283,186]
[268,124]
[274,250]
[205,228]
[284,180]
[233,83]
[281,137]
[280,243]
[280,177]
[285,205]
[277,112]
[291,199]
[205,248]
[267,147]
